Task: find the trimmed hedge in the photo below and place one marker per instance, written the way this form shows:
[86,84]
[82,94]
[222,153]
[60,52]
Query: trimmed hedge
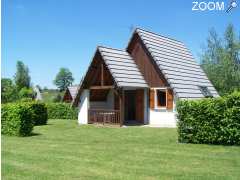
[39,113]
[210,121]
[19,118]
[61,111]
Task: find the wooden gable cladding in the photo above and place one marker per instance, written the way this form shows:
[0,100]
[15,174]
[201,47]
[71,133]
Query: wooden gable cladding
[102,77]
[98,74]
[140,105]
[98,94]
[67,96]
[146,64]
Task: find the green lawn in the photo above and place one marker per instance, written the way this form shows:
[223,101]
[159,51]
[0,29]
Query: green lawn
[64,150]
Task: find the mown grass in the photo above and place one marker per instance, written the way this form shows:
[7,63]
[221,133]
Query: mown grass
[64,150]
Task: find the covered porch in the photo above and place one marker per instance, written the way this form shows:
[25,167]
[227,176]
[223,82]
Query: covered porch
[105,104]
[113,90]
[116,106]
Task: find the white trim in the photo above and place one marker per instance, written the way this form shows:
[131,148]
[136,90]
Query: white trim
[155,98]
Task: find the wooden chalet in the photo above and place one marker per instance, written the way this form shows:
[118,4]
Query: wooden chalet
[140,84]
[70,93]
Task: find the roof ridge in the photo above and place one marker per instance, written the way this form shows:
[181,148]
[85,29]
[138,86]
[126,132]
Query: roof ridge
[158,35]
[74,85]
[100,46]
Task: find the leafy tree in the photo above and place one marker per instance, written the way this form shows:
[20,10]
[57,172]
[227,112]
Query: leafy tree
[26,93]
[9,91]
[63,79]
[232,45]
[220,60]
[22,78]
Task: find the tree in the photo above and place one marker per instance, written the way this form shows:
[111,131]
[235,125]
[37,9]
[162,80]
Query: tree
[22,78]
[220,60]
[9,91]
[26,93]
[232,45]
[214,48]
[63,79]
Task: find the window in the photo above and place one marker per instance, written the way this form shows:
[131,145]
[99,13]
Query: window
[205,91]
[161,98]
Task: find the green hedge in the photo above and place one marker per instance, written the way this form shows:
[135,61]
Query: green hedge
[210,121]
[39,113]
[17,119]
[61,111]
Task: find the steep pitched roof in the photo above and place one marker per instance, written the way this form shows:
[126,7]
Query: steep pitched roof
[73,90]
[122,67]
[177,65]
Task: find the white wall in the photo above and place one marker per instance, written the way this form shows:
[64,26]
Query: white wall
[160,118]
[108,104]
[163,117]
[83,107]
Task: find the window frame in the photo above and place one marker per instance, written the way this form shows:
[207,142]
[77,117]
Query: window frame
[156,99]
[205,91]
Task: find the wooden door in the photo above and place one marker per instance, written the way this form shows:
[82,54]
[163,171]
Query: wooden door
[130,105]
[140,105]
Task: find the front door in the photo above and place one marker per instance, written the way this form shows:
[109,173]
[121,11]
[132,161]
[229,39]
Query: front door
[130,105]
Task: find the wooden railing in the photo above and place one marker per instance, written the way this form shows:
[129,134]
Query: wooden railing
[104,116]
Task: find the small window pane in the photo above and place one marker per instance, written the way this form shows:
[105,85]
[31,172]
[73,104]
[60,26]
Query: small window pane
[161,98]
[205,91]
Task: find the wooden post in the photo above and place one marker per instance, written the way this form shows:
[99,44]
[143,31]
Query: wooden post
[119,93]
[121,107]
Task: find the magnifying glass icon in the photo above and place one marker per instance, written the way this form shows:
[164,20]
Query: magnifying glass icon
[233,4]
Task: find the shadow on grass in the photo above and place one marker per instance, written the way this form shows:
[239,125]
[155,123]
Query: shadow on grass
[34,134]
[44,124]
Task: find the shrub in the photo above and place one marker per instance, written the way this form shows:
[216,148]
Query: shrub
[61,111]
[39,113]
[57,98]
[210,121]
[17,119]
[25,100]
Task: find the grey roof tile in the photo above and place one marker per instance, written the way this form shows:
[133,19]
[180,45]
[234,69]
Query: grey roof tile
[177,64]
[122,67]
[73,90]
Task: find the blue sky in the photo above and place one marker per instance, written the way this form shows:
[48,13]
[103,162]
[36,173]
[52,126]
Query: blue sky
[49,34]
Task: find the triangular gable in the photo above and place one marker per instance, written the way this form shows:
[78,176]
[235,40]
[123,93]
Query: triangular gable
[121,67]
[93,77]
[176,63]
